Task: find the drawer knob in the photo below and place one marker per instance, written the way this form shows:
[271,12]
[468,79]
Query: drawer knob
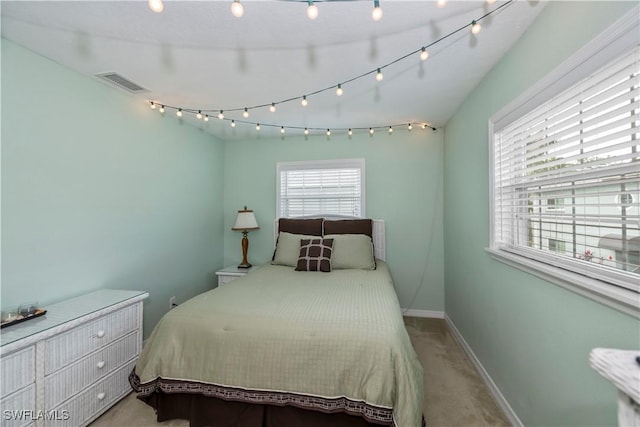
[101,396]
[100,364]
[100,334]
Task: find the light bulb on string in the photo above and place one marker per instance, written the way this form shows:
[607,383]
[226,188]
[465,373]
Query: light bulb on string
[233,123]
[312,10]
[199,115]
[442,3]
[221,115]
[306,131]
[409,126]
[156,5]
[245,114]
[424,54]
[179,112]
[475,28]
[257,126]
[424,126]
[390,130]
[379,75]
[237,9]
[339,90]
[328,132]
[370,131]
[376,13]
[206,117]
[281,129]
[273,107]
[152,105]
[350,132]
[161,109]
[304,101]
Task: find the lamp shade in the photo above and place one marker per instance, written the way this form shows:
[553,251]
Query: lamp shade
[246,220]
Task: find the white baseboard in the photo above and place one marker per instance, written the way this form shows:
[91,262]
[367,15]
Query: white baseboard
[409,312]
[493,388]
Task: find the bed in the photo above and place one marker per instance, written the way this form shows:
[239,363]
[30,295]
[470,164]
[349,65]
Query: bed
[285,347]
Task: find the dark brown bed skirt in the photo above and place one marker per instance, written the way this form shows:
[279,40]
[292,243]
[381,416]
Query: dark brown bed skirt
[212,405]
[211,411]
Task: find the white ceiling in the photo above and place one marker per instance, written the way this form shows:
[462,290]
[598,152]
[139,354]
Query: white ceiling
[197,55]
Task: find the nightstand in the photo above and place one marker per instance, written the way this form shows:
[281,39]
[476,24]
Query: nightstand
[232,272]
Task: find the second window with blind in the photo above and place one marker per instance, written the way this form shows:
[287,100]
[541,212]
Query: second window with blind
[566,178]
[320,187]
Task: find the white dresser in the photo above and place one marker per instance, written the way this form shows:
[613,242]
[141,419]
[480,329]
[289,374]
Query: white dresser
[621,368]
[70,365]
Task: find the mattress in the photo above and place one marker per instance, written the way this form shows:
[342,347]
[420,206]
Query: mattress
[330,342]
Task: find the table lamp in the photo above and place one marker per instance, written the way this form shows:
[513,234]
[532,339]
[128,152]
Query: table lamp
[244,222]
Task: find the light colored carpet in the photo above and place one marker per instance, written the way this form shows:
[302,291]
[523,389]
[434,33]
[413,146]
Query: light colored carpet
[455,395]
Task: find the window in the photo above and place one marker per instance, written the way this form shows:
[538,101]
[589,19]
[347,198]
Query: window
[334,187]
[566,180]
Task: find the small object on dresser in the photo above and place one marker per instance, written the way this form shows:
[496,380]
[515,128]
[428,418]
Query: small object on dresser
[28,309]
[12,316]
[9,314]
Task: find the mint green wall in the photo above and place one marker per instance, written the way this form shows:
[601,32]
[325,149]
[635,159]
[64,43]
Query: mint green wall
[99,191]
[403,187]
[532,337]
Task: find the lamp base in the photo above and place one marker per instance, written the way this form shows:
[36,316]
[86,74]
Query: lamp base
[243,265]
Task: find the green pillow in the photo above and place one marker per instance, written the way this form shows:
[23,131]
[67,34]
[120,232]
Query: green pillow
[352,251]
[288,248]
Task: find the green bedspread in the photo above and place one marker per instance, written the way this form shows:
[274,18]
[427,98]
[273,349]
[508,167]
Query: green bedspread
[327,341]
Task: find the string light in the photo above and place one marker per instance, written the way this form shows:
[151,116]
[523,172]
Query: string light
[424,54]
[237,9]
[206,117]
[475,28]
[376,13]
[312,10]
[306,131]
[442,3]
[233,123]
[328,132]
[390,130]
[156,5]
[257,126]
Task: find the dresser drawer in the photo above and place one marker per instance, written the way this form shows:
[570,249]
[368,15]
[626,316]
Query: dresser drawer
[70,346]
[90,403]
[19,408]
[17,370]
[68,381]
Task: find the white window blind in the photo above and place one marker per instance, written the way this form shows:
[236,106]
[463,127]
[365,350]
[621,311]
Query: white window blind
[567,178]
[321,188]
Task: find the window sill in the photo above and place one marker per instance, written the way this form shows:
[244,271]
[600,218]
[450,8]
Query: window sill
[623,300]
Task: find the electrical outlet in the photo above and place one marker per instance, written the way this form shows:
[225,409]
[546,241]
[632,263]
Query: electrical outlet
[172,302]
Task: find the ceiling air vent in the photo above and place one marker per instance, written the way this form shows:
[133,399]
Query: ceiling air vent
[121,82]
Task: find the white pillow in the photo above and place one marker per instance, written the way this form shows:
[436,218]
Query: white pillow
[352,251]
[288,248]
